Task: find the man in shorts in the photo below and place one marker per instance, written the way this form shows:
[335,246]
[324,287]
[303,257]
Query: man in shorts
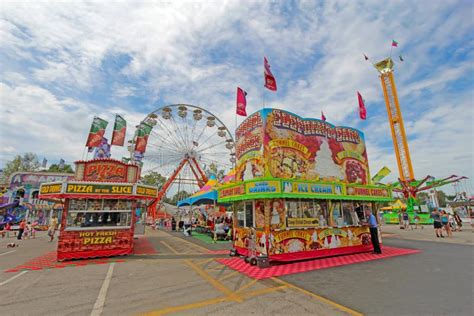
[438,226]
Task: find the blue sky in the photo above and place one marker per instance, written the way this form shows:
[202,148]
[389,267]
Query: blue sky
[62,63]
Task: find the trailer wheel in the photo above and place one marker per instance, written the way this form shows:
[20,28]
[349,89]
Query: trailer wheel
[233,253]
[247,260]
[253,261]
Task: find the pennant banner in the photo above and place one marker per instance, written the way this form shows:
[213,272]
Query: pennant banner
[270,82]
[241,102]
[120,128]
[102,151]
[394,43]
[97,132]
[381,174]
[143,132]
[323,117]
[362,110]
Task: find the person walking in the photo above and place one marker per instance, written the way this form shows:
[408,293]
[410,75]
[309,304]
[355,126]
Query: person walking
[21,229]
[445,223]
[373,227]
[53,225]
[416,219]
[400,220]
[406,220]
[8,229]
[457,218]
[438,226]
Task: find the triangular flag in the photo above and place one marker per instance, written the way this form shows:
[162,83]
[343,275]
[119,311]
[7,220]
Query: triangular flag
[323,117]
[241,102]
[394,43]
[270,82]
[365,56]
[401,58]
[362,110]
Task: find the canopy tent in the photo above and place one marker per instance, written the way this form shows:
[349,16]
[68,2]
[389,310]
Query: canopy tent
[207,194]
[230,177]
[398,205]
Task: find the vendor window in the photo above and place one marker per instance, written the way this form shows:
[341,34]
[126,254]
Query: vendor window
[321,212]
[349,214]
[307,209]
[98,213]
[335,214]
[359,208]
[249,214]
[293,208]
[239,207]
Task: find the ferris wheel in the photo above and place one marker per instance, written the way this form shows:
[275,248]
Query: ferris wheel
[185,144]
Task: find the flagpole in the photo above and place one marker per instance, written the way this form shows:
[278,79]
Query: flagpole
[83,152]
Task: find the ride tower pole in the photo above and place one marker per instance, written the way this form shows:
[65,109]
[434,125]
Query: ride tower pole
[405,168]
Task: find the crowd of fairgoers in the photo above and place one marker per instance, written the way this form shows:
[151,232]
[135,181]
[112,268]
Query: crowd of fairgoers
[26,230]
[443,222]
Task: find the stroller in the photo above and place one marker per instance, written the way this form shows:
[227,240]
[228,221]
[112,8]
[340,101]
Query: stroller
[187,230]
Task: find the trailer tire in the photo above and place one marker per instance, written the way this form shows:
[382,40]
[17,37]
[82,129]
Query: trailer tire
[253,261]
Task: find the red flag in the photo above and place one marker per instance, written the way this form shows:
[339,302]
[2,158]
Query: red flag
[270,82]
[394,43]
[120,128]
[143,132]
[96,132]
[323,117]
[241,102]
[362,110]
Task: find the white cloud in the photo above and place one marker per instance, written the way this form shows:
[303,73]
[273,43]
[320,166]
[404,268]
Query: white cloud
[197,53]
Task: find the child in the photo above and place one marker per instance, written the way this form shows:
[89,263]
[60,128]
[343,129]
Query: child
[8,228]
[33,230]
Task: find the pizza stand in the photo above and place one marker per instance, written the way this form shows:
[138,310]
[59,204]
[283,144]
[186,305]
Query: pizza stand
[300,190]
[99,208]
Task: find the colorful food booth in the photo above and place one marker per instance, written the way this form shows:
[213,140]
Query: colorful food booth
[301,189]
[99,208]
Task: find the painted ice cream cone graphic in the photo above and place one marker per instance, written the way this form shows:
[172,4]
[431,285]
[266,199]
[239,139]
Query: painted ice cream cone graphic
[325,166]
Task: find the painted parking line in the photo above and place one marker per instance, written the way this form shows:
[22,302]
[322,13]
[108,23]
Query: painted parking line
[216,284]
[169,247]
[12,278]
[99,303]
[213,301]
[320,298]
[6,253]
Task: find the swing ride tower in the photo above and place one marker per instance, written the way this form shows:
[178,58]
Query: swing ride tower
[405,168]
[408,185]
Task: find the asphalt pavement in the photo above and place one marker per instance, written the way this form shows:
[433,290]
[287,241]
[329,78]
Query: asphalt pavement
[437,281]
[183,278]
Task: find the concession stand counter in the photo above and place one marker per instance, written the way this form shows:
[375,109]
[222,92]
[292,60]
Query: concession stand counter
[99,208]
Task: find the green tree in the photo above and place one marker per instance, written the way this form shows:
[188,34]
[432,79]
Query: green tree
[441,198]
[27,162]
[154,178]
[180,195]
[422,198]
[65,169]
